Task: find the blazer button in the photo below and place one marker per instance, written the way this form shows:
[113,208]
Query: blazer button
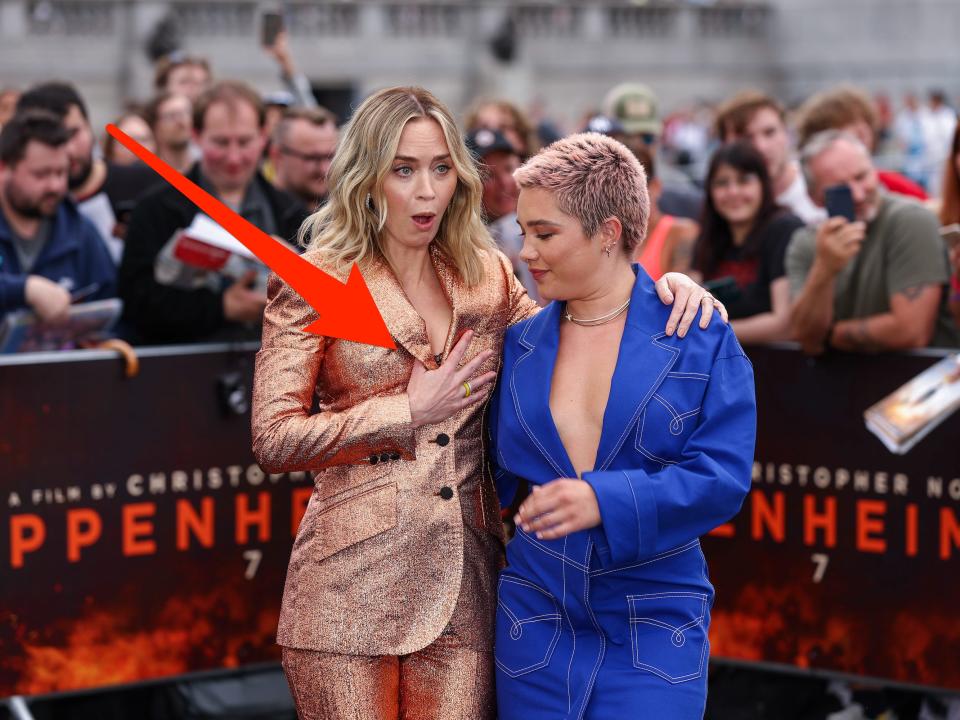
[442,440]
[446,492]
[384,457]
[374,459]
[395,456]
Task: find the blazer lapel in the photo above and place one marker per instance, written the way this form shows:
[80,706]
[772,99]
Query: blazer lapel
[458,295]
[530,381]
[642,364]
[404,323]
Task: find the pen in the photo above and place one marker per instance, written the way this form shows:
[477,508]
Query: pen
[83,292]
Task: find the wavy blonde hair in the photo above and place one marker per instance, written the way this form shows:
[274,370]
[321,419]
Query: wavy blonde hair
[346,230]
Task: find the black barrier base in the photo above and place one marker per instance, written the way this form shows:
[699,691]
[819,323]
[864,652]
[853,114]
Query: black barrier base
[735,693]
[257,695]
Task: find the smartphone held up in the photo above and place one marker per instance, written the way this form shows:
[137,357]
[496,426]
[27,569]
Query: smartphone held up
[838,200]
[271,25]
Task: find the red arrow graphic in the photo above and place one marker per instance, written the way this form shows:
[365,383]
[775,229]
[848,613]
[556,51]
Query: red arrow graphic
[346,311]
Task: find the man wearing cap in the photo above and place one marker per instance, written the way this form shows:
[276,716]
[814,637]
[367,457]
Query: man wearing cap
[634,107]
[498,159]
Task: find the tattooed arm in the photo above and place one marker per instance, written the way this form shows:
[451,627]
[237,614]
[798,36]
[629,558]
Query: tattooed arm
[909,324]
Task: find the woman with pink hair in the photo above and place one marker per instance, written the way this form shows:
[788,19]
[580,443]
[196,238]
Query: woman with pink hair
[634,445]
[388,600]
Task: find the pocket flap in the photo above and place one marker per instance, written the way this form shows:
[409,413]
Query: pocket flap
[349,520]
[668,634]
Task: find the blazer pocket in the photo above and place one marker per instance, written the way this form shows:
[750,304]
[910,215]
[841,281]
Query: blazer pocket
[351,518]
[667,634]
[528,626]
[670,416]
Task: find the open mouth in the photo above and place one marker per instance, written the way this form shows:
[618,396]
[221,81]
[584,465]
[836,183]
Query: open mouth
[425,221]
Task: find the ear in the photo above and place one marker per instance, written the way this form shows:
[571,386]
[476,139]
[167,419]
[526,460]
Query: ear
[610,230]
[816,194]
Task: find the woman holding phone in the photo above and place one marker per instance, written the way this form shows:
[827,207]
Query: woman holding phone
[743,242]
[389,598]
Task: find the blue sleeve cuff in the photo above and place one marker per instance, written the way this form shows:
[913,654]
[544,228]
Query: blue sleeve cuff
[13,292]
[628,515]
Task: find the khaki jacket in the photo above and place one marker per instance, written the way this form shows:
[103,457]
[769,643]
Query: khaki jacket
[402,535]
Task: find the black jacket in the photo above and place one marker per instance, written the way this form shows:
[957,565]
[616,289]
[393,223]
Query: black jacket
[155,313]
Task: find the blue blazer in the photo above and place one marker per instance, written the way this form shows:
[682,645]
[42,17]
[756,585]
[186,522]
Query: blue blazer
[621,609]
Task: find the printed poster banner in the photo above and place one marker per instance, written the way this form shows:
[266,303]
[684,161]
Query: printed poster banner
[138,537]
[844,557]
[140,540]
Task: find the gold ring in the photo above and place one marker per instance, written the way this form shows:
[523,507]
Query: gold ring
[466,389]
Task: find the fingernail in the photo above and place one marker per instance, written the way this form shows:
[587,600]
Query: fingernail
[539,535]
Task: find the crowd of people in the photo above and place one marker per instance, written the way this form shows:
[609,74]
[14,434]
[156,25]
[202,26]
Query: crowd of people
[82,220]
[763,230]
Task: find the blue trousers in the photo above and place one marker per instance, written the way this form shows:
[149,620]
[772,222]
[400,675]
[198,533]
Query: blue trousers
[574,641]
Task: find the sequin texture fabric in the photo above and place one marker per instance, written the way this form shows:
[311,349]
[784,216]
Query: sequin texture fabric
[401,540]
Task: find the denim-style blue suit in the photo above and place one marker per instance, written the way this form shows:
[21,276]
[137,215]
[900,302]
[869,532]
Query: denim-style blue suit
[612,622]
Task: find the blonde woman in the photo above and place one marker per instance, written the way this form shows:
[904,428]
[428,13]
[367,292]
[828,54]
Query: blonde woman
[389,599]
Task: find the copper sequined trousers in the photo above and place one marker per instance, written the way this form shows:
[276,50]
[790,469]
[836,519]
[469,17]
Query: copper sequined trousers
[444,681]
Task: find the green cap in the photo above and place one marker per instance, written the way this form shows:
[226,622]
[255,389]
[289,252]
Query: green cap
[635,107]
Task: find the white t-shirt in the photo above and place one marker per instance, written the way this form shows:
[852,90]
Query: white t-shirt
[97,209]
[796,199]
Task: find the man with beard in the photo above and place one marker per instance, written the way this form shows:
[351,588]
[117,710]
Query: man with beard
[228,128]
[47,248]
[301,151]
[170,117]
[104,193]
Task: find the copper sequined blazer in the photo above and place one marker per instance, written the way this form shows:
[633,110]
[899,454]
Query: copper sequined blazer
[391,526]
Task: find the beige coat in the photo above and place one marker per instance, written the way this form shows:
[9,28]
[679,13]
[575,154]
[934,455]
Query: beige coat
[402,535]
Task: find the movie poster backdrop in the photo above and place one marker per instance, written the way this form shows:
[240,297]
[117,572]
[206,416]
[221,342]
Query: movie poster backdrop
[139,539]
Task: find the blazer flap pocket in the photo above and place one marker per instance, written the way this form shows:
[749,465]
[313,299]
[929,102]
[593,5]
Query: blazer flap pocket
[340,481]
[361,516]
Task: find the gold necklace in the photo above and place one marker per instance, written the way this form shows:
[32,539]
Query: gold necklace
[598,320]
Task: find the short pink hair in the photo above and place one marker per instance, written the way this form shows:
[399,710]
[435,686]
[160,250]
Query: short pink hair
[594,178]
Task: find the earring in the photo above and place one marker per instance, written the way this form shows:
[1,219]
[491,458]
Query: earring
[369,203]
[608,249]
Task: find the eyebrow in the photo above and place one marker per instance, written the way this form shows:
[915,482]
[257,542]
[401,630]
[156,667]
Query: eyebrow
[539,222]
[407,158]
